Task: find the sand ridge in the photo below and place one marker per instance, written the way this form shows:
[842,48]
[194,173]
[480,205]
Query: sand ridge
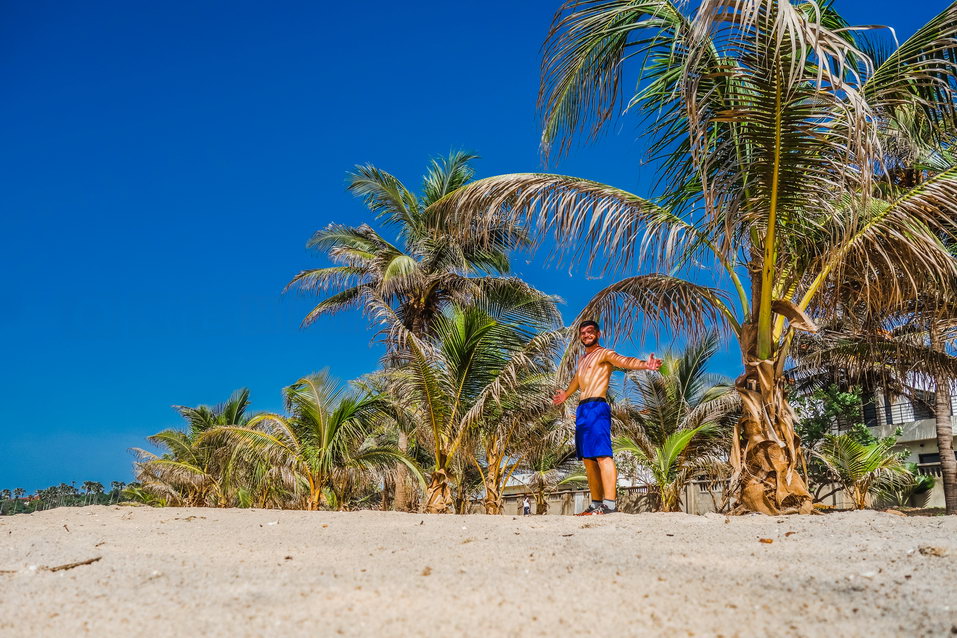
[214,572]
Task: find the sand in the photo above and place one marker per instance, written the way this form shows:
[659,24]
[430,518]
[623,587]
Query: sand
[207,572]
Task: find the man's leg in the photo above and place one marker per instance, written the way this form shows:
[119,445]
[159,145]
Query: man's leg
[609,480]
[593,472]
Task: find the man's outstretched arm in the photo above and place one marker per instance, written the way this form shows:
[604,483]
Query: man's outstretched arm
[632,363]
[561,396]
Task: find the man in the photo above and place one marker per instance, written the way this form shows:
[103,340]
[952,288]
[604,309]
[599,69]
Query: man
[526,507]
[593,416]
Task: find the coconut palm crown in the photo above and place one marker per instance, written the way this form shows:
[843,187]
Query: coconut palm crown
[426,268]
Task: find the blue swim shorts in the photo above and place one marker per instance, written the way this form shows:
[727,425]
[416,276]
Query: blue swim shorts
[593,428]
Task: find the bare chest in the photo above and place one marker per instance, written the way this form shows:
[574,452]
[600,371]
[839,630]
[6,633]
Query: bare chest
[591,364]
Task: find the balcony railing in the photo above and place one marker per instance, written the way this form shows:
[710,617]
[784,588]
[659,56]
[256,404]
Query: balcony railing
[930,469]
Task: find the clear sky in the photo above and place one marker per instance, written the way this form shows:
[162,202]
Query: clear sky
[163,164]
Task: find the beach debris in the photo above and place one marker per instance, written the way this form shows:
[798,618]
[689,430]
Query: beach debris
[65,527]
[273,523]
[8,571]
[468,540]
[59,568]
[567,535]
[896,513]
[767,541]
[786,534]
[930,550]
[426,571]
[288,557]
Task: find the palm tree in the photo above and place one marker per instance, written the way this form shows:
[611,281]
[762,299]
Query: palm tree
[864,468]
[503,437]
[766,116]
[420,274]
[477,366]
[193,471]
[321,450]
[549,456]
[4,496]
[116,487]
[672,421]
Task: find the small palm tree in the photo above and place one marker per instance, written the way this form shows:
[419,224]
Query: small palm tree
[863,468]
[481,364]
[320,451]
[549,457]
[193,471]
[116,487]
[671,420]
[671,464]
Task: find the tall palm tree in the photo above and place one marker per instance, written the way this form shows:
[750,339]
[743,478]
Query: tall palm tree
[419,274]
[766,117]
[193,471]
[115,488]
[321,449]
[475,367]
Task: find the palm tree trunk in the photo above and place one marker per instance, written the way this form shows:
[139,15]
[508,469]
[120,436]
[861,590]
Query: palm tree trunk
[945,432]
[401,498]
[766,454]
[493,493]
[439,494]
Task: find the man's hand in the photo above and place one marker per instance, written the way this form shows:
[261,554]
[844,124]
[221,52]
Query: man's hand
[559,398]
[652,363]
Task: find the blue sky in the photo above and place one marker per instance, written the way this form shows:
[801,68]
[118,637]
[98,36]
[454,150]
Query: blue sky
[164,164]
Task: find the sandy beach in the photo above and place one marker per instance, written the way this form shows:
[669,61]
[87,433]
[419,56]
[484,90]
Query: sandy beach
[207,572]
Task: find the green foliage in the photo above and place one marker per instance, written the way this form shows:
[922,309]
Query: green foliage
[825,408]
[863,468]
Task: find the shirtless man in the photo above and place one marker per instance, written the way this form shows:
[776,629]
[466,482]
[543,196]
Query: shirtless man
[593,416]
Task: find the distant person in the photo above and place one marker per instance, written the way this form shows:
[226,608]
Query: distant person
[526,507]
[593,416]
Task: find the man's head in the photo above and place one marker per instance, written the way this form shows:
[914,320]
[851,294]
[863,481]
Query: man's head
[588,333]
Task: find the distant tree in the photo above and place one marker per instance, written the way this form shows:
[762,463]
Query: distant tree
[116,487]
[96,488]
